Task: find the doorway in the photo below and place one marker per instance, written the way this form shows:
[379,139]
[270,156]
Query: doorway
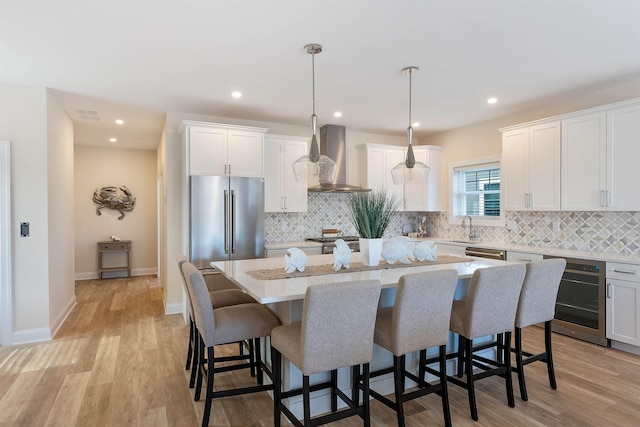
[6,309]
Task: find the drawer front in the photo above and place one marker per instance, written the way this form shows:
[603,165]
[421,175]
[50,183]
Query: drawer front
[628,272]
[114,246]
[516,256]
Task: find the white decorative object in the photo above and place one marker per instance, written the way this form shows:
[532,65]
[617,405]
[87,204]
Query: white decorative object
[295,259]
[425,250]
[341,255]
[370,251]
[114,238]
[398,249]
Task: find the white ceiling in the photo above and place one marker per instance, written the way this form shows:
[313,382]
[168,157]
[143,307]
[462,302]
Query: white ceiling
[137,59]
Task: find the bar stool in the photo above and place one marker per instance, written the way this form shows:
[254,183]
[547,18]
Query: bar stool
[221,298]
[226,325]
[336,331]
[537,305]
[419,319]
[489,309]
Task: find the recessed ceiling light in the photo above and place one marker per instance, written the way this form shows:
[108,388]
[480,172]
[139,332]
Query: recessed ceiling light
[119,121]
[113,140]
[337,114]
[415,124]
[236,94]
[492,100]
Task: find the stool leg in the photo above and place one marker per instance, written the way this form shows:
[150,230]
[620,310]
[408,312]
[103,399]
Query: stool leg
[257,362]
[365,395]
[305,401]
[196,359]
[276,365]
[508,379]
[471,392]
[252,358]
[355,387]
[499,347]
[191,341]
[334,394]
[398,378]
[200,368]
[520,365]
[461,346]
[442,359]
[547,348]
[209,395]
[421,365]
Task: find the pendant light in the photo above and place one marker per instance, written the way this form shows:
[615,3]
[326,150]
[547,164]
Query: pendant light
[315,163]
[410,171]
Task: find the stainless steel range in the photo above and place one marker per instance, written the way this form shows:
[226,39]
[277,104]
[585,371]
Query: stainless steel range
[328,243]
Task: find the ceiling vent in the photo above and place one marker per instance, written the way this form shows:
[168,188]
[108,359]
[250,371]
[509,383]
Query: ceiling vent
[86,114]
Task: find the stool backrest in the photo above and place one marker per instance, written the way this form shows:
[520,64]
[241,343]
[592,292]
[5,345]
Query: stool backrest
[202,306]
[338,320]
[181,259]
[492,300]
[539,291]
[422,310]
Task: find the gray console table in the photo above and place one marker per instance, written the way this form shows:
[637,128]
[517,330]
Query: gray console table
[110,246]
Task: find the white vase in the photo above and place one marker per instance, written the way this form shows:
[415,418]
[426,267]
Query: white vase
[370,251]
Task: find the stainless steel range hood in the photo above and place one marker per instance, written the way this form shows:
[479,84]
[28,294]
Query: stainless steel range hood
[333,143]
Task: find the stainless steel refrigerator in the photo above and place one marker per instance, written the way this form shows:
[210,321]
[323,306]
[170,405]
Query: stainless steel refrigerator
[226,219]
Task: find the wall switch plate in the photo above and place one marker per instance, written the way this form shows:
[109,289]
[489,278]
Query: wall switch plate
[24,229]
[556,226]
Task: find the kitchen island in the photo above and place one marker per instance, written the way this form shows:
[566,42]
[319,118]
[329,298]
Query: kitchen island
[285,297]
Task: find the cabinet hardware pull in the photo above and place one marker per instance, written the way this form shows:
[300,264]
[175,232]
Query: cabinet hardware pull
[632,272]
[523,260]
[608,290]
[609,198]
[285,203]
[602,197]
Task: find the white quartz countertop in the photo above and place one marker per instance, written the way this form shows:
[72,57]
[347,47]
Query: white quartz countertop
[569,253]
[279,290]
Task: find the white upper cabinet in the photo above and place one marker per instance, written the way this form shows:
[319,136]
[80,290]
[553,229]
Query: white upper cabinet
[584,162]
[623,153]
[376,162]
[425,197]
[282,192]
[218,149]
[531,167]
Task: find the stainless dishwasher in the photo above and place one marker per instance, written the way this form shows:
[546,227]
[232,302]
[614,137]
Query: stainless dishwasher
[485,253]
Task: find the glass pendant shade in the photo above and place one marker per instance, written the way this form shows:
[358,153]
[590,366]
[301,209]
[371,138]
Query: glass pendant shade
[314,165]
[410,171]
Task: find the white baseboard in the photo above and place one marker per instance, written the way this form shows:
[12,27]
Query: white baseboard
[31,335]
[175,308]
[60,318]
[629,348]
[91,275]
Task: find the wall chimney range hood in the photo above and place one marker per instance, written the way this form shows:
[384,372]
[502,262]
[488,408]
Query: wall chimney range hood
[333,143]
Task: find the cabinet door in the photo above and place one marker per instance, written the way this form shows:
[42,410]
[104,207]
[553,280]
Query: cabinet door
[515,169]
[623,317]
[425,197]
[393,156]
[273,160]
[544,167]
[207,151]
[584,163]
[295,192]
[623,152]
[245,153]
[523,257]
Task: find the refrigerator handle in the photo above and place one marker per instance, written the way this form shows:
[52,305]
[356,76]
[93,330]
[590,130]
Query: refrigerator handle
[233,221]
[226,221]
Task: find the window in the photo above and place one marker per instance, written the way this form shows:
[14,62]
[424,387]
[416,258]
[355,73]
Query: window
[475,191]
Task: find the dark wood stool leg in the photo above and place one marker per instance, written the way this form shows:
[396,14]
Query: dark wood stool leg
[398,377]
[258,361]
[520,365]
[471,392]
[306,401]
[200,368]
[443,381]
[460,356]
[499,347]
[334,387]
[547,347]
[195,361]
[421,365]
[365,395]
[356,378]
[252,358]
[276,366]
[508,379]
[191,342]
[209,395]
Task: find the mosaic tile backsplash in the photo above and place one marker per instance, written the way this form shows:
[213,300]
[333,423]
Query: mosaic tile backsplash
[614,232]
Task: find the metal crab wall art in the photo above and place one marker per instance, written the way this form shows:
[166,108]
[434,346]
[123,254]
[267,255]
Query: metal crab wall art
[109,197]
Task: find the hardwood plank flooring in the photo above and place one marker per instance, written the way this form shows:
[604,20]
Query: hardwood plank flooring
[118,360]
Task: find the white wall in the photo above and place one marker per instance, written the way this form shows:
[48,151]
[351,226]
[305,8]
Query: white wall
[61,217]
[97,167]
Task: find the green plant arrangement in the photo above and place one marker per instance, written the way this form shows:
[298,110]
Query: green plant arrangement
[371,212]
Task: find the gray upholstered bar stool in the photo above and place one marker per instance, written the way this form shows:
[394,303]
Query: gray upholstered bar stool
[336,331]
[226,325]
[537,305]
[419,319]
[489,309]
[221,298]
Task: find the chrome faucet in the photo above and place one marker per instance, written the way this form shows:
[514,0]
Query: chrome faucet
[472,232]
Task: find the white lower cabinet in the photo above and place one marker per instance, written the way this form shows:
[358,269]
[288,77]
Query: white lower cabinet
[623,303]
[516,256]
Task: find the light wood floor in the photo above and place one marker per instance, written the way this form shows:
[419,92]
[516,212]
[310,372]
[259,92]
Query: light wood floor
[119,361]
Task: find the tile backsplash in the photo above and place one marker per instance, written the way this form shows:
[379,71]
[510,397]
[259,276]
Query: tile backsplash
[614,232]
